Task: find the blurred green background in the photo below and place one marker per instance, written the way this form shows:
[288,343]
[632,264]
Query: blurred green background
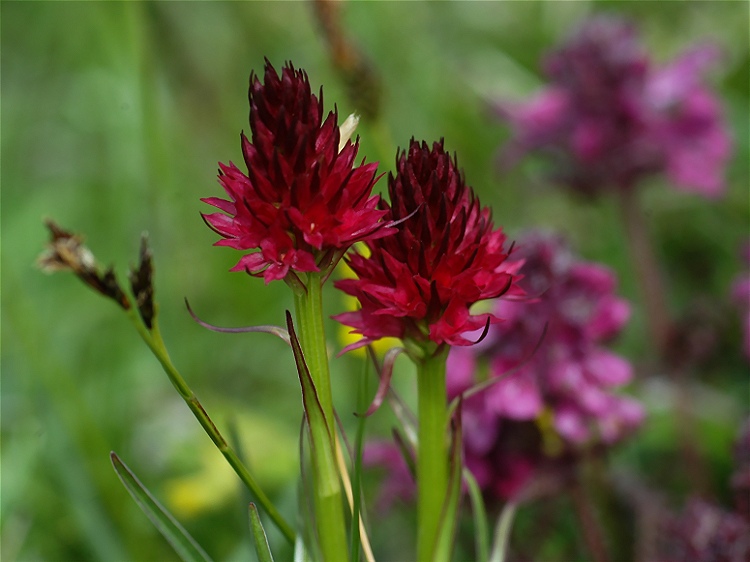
[114,116]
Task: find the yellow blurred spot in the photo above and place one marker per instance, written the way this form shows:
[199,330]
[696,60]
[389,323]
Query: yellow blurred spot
[270,450]
[204,490]
[552,443]
[350,303]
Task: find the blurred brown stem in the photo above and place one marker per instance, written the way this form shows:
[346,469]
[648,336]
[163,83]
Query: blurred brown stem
[593,534]
[647,269]
[684,404]
[357,72]
[662,331]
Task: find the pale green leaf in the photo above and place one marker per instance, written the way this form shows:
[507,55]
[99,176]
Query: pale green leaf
[183,544]
[259,534]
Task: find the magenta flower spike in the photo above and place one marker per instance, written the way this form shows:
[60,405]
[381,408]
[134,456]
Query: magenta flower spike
[704,531]
[609,117]
[567,381]
[303,202]
[419,283]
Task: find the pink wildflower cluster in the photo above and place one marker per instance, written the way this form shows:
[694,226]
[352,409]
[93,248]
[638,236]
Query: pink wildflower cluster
[568,378]
[706,532]
[562,396]
[609,117]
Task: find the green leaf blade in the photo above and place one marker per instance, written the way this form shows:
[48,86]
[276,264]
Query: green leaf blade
[183,544]
[502,532]
[259,534]
[449,517]
[482,532]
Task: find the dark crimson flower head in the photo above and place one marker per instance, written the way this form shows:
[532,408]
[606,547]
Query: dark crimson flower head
[303,201]
[419,283]
[609,118]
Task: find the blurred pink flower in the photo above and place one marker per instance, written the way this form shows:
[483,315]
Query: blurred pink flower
[705,532]
[303,201]
[399,484]
[609,118]
[569,379]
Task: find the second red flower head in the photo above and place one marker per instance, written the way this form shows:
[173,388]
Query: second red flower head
[419,283]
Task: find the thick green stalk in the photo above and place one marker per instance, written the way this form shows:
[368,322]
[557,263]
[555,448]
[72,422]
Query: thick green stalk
[328,500]
[309,313]
[156,344]
[432,451]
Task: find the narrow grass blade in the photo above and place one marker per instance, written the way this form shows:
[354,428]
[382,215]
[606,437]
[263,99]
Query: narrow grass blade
[306,545]
[154,341]
[316,418]
[407,452]
[357,475]
[502,533]
[259,534]
[346,482]
[300,552]
[330,526]
[481,527]
[447,533]
[183,544]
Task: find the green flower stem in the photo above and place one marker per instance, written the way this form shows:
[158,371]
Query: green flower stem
[309,312]
[156,344]
[432,451]
[328,501]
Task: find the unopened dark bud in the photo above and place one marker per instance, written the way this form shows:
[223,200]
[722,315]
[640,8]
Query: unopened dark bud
[141,282]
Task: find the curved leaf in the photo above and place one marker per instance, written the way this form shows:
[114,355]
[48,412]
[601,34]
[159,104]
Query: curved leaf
[259,534]
[183,544]
[273,330]
[385,380]
[449,517]
[502,532]
[481,528]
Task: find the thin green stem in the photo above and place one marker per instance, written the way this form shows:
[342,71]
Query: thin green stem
[328,500]
[590,523]
[362,396]
[502,533]
[481,528]
[432,452]
[156,344]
